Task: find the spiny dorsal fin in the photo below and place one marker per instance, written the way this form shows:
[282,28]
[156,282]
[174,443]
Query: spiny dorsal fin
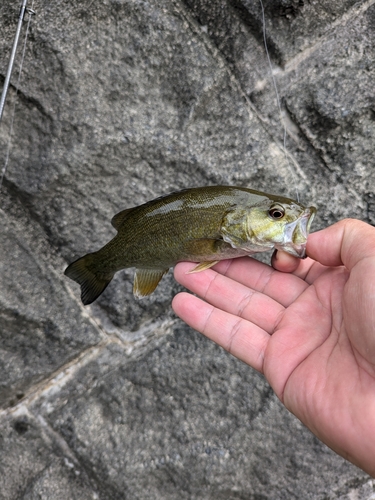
[118,219]
[146,280]
[203,266]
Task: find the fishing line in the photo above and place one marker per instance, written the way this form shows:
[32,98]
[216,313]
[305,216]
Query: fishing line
[22,13]
[277,99]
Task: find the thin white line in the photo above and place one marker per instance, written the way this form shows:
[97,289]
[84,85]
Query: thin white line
[15,99]
[277,99]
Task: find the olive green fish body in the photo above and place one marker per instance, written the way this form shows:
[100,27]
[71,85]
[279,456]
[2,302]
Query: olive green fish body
[203,225]
[174,228]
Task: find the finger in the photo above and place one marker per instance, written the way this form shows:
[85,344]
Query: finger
[231,296]
[345,243]
[241,338]
[282,287]
[284,262]
[305,269]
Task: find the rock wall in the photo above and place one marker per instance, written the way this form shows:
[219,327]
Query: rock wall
[121,101]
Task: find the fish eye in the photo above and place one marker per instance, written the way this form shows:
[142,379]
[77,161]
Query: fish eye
[276,213]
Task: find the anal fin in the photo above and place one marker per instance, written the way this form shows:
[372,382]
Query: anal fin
[202,266]
[146,280]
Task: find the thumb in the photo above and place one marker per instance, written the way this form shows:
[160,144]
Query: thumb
[344,243]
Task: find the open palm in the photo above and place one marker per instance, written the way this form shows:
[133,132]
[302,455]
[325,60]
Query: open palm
[310,331]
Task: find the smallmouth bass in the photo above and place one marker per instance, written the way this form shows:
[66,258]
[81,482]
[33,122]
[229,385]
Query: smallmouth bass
[204,225]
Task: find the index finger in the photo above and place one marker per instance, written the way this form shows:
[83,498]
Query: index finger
[241,338]
[279,286]
[231,296]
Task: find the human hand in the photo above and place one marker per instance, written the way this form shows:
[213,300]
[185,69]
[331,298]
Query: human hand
[307,325]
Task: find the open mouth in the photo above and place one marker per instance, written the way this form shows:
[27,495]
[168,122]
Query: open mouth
[295,234]
[303,225]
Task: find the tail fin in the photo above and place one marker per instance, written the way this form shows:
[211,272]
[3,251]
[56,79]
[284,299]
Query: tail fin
[92,282]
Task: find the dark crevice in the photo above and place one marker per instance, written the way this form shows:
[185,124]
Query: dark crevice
[18,200]
[254,24]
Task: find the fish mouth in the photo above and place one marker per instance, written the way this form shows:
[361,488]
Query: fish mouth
[296,233]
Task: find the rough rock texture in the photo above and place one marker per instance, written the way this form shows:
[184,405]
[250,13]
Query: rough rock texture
[121,101]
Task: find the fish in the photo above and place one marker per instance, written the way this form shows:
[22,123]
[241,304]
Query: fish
[203,225]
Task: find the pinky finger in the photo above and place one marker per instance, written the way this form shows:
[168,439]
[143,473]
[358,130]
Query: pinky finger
[239,337]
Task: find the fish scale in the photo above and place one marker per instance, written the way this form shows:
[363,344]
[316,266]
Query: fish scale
[204,225]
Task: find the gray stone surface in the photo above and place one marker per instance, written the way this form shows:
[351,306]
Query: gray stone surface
[119,102]
[35,463]
[185,420]
[40,332]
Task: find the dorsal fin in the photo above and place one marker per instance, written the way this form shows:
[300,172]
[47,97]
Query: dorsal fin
[118,219]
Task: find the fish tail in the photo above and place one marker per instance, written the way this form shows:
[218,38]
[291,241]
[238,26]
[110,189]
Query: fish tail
[92,281]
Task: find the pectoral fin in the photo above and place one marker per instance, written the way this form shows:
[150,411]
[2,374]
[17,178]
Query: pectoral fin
[146,280]
[202,266]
